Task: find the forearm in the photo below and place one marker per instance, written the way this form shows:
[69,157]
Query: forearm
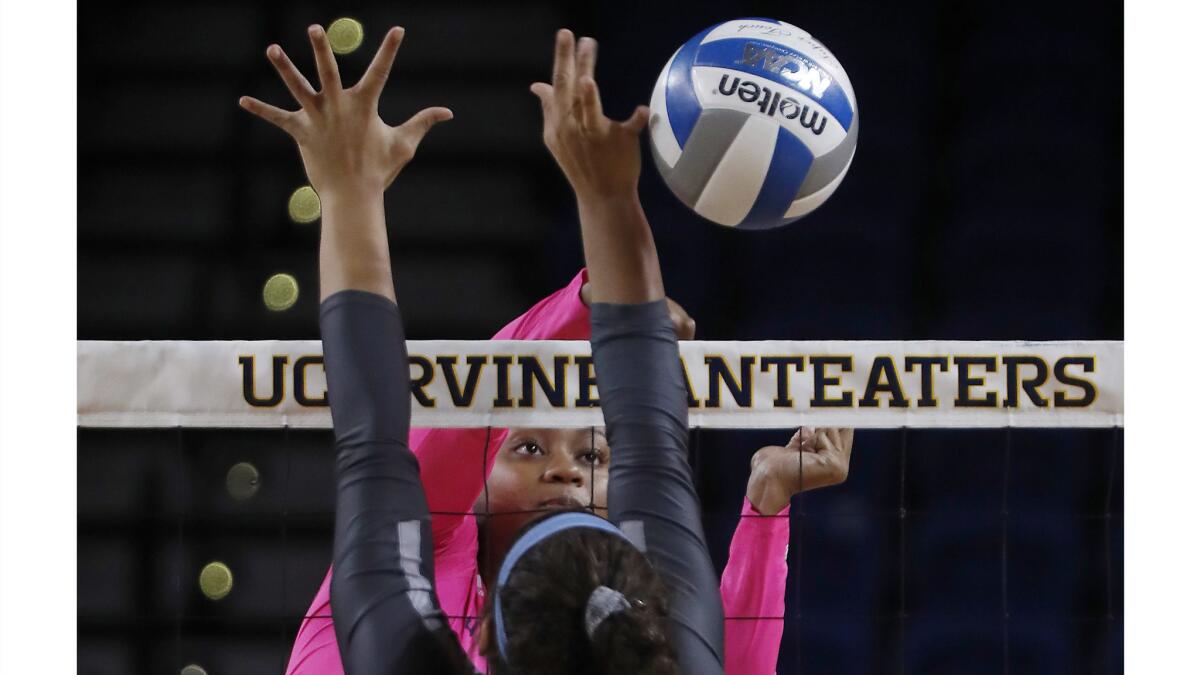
[767,495]
[753,586]
[385,613]
[618,247]
[354,246]
[650,490]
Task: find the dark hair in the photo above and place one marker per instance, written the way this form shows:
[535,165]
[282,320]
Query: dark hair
[544,603]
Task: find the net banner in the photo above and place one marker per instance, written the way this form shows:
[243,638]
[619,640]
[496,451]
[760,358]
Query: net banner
[764,384]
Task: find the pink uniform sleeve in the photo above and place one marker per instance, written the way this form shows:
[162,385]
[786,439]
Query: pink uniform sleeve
[752,590]
[451,492]
[315,651]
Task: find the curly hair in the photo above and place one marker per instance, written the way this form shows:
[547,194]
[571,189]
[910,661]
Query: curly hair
[545,600]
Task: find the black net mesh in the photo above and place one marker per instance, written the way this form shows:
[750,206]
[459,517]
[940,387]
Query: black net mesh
[982,551]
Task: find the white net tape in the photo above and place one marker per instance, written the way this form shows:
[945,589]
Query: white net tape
[764,384]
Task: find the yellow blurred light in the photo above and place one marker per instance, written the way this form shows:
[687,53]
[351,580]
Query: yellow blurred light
[304,206]
[216,580]
[345,35]
[242,481]
[280,292]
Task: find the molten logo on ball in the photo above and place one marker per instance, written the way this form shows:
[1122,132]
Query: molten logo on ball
[769,102]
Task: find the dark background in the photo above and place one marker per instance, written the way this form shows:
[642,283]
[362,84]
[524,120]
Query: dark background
[985,202]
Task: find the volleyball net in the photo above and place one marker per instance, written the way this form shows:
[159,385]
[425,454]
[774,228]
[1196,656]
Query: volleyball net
[983,513]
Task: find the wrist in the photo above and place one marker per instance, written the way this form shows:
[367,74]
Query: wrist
[599,200]
[351,193]
[767,497]
[771,485]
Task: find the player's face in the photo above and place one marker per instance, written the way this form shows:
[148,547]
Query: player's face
[544,469]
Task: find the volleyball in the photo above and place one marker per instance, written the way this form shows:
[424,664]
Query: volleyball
[753,123]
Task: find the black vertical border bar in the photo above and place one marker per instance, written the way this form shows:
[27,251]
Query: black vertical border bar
[1004,547]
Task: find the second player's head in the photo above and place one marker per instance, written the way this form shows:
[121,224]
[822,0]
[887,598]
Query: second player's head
[573,595]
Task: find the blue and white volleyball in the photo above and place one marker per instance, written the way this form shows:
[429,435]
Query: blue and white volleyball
[753,123]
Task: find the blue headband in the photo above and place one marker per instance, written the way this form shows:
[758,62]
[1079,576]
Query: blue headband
[548,527]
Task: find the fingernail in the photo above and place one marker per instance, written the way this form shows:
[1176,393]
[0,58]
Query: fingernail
[314,30]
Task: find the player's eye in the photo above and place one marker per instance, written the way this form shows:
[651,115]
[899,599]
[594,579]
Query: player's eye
[594,457]
[529,448]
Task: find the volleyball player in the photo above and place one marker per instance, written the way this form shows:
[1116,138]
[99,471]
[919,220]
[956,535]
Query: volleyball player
[530,470]
[535,469]
[328,104]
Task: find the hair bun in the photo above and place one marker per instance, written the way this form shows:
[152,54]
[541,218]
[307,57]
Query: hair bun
[601,604]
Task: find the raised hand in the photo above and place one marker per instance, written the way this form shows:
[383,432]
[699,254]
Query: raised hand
[599,156]
[343,142]
[601,159]
[813,458]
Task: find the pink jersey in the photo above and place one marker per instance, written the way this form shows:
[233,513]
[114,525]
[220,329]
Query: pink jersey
[752,584]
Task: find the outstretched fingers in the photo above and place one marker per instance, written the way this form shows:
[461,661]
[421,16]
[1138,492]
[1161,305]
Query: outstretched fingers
[296,83]
[413,131]
[591,112]
[281,118]
[588,109]
[585,57]
[327,69]
[564,69]
[376,76]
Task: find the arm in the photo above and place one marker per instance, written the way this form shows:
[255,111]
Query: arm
[386,614]
[650,491]
[442,454]
[651,496]
[755,578]
[601,159]
[752,591]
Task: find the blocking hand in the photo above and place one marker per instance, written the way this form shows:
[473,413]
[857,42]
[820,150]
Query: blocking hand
[343,142]
[600,157]
[812,459]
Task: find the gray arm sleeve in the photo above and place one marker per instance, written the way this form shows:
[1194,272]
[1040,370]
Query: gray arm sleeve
[385,611]
[650,492]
